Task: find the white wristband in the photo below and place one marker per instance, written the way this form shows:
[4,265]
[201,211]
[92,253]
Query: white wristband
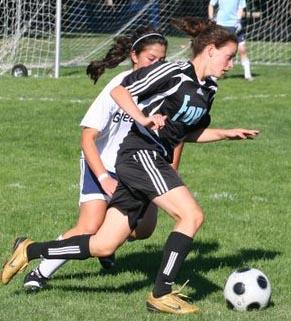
[102,177]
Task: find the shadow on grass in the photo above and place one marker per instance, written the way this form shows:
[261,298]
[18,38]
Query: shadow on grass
[148,261]
[237,76]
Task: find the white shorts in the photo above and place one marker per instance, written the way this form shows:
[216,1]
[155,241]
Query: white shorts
[90,188]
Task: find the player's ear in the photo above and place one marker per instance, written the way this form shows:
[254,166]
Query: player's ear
[210,49]
[133,57]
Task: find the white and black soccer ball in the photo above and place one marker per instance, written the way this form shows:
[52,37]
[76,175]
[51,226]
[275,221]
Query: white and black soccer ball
[247,289]
[19,70]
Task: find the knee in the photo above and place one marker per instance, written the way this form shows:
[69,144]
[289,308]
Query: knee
[192,220]
[99,247]
[199,219]
[103,251]
[86,229]
[195,219]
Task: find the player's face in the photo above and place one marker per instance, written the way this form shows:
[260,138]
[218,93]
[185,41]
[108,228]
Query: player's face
[222,59]
[150,55]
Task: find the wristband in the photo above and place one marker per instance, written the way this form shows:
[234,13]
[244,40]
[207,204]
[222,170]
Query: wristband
[102,177]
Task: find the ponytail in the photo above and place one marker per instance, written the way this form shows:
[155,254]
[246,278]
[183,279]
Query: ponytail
[203,32]
[121,48]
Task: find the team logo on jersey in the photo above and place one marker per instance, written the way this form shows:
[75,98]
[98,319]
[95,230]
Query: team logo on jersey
[189,114]
[118,117]
[200,92]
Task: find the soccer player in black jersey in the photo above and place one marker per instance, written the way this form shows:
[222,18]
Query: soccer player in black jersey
[176,100]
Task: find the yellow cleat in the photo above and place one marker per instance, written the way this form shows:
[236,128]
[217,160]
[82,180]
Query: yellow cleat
[171,303]
[18,261]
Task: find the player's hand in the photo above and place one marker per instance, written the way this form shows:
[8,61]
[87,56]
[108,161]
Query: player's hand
[241,133]
[154,122]
[109,185]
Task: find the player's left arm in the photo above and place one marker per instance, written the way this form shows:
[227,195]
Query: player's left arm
[208,135]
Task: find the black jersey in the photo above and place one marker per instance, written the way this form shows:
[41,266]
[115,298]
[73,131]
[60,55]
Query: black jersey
[170,89]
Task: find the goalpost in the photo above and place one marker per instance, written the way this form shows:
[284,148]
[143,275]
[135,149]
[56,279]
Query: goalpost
[45,34]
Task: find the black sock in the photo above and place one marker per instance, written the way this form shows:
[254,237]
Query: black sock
[73,248]
[176,249]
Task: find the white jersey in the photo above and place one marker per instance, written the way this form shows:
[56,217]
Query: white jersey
[110,120]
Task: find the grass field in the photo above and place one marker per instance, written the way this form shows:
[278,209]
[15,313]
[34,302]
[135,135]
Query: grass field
[244,188]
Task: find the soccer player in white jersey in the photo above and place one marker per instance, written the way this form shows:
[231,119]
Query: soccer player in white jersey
[103,128]
[176,100]
[229,15]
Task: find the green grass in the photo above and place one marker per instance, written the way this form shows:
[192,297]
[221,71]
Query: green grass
[244,188]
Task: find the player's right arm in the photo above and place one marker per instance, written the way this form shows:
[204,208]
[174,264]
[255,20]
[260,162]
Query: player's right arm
[92,156]
[123,98]
[96,119]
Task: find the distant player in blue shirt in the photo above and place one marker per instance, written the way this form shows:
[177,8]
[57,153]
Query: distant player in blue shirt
[229,15]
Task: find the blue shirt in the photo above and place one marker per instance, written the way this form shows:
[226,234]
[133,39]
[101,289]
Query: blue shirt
[227,11]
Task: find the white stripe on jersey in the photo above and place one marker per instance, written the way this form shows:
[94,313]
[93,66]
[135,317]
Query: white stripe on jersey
[156,108]
[183,64]
[162,66]
[148,81]
[155,176]
[171,262]
[151,100]
[64,250]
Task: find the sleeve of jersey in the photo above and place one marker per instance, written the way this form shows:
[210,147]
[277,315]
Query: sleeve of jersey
[98,114]
[150,80]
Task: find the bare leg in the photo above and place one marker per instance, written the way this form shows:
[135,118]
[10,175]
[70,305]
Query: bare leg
[112,234]
[245,61]
[146,225]
[181,205]
[90,219]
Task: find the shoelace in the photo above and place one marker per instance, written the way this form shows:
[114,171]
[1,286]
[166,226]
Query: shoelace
[178,292]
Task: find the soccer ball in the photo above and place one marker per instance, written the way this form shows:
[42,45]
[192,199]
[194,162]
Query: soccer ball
[19,70]
[247,289]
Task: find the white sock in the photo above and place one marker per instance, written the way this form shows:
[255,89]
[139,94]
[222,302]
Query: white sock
[247,67]
[48,267]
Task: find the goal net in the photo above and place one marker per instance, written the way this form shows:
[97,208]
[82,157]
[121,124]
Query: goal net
[27,29]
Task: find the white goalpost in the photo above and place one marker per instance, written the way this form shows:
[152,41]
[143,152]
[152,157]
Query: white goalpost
[46,36]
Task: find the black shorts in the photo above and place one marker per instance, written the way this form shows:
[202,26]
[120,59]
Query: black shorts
[141,177]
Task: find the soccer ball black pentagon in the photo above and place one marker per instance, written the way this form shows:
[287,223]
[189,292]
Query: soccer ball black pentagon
[247,289]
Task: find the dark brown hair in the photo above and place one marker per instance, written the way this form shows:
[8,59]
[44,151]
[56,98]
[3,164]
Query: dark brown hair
[121,49]
[204,32]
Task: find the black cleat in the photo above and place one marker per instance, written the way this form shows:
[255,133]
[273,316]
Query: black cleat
[107,262]
[34,281]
